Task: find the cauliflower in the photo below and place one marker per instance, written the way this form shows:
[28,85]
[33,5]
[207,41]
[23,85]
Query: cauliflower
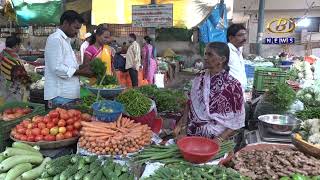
[314,139]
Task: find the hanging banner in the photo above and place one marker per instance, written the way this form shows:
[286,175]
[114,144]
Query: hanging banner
[152,15]
[186,13]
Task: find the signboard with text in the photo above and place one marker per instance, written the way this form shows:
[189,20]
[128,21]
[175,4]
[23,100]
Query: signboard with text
[156,15]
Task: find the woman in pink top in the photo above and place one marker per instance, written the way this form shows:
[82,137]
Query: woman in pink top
[148,60]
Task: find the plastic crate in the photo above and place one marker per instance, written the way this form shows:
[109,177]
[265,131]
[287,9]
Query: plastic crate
[266,77]
[6,126]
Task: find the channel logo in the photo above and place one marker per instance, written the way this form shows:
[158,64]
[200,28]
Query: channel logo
[281,40]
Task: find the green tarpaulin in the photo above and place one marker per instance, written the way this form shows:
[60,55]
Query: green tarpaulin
[35,12]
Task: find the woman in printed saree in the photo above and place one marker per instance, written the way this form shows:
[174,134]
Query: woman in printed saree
[216,104]
[149,61]
[99,49]
[14,80]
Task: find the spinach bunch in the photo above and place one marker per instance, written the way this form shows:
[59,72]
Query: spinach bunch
[99,69]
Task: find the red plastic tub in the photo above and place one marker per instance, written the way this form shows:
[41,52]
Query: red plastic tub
[148,118]
[198,149]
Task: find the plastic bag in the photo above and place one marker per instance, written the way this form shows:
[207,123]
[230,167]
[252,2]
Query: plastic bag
[159,80]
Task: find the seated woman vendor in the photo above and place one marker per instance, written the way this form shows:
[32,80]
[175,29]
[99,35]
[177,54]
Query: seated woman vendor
[99,49]
[14,80]
[216,104]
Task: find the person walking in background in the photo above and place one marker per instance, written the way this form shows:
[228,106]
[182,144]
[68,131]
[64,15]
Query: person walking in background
[133,59]
[99,49]
[149,61]
[237,36]
[124,48]
[85,45]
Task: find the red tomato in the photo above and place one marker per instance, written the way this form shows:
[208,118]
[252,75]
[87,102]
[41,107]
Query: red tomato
[25,123]
[68,135]
[21,130]
[46,119]
[41,125]
[39,138]
[54,131]
[55,121]
[70,121]
[36,131]
[29,132]
[34,125]
[77,125]
[17,136]
[61,123]
[69,128]
[75,133]
[50,138]
[59,137]
[64,116]
[31,138]
[19,126]
[45,131]
[54,114]
[62,130]
[50,125]
[23,138]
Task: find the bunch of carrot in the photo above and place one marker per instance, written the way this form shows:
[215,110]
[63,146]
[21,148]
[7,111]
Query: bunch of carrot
[116,138]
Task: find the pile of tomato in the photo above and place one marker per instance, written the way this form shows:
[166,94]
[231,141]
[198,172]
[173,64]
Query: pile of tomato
[58,124]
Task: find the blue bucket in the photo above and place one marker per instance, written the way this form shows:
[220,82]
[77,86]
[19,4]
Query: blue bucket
[117,109]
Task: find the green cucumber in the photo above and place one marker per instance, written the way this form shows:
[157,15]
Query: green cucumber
[82,172]
[70,171]
[89,176]
[56,177]
[36,172]
[3,176]
[90,159]
[81,164]
[25,146]
[47,178]
[95,165]
[2,157]
[17,151]
[17,170]
[98,175]
[18,159]
[75,159]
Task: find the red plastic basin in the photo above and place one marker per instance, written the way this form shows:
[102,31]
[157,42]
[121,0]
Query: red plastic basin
[198,149]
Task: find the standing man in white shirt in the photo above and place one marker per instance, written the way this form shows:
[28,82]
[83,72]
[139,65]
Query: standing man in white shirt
[133,60]
[84,45]
[237,36]
[62,70]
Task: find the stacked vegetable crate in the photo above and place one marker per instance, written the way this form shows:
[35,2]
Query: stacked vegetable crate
[6,126]
[265,77]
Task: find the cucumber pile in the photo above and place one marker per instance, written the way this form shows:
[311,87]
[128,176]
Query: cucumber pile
[21,162]
[206,172]
[76,167]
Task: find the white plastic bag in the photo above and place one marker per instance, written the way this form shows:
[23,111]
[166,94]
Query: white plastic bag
[159,80]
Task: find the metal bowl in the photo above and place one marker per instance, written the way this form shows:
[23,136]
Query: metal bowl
[279,124]
[107,93]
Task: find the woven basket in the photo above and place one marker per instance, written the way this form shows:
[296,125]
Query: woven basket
[51,144]
[305,147]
